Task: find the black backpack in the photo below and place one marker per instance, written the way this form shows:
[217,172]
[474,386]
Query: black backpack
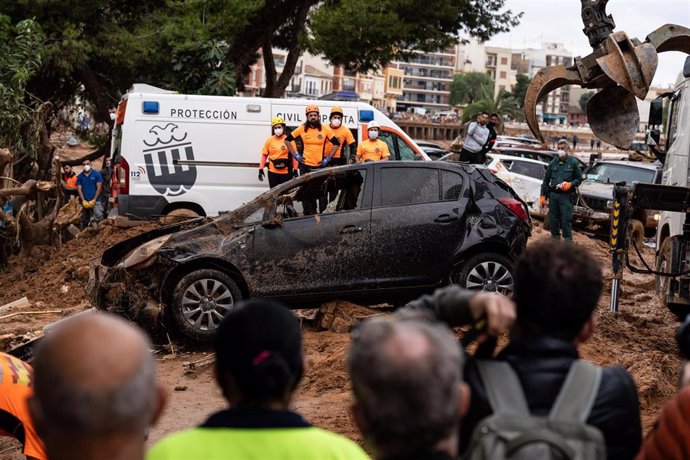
[511,432]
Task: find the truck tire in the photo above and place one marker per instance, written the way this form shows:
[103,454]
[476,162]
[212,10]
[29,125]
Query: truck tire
[178,215]
[487,271]
[662,265]
[200,300]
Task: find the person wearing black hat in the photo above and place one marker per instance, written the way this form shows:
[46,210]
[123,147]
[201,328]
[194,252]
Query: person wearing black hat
[259,362]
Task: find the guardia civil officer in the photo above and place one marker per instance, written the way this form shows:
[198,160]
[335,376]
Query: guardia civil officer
[562,177]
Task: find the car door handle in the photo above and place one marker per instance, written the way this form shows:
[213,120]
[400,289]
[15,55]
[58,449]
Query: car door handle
[445,219]
[350,229]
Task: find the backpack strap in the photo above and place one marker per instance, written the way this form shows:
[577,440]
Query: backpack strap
[503,388]
[577,395]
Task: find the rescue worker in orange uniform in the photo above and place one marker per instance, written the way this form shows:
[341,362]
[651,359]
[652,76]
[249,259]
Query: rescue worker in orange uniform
[280,165]
[373,149]
[311,139]
[16,378]
[345,136]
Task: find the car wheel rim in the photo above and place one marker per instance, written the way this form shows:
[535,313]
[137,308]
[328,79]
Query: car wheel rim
[490,276]
[205,302]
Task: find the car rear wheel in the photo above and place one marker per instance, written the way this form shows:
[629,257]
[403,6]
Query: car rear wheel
[200,301]
[488,271]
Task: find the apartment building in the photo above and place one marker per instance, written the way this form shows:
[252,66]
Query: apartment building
[555,107]
[427,79]
[498,63]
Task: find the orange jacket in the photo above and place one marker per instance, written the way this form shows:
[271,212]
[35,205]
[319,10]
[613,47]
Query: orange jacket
[70,181]
[314,142]
[372,150]
[16,379]
[275,149]
[670,437]
[346,138]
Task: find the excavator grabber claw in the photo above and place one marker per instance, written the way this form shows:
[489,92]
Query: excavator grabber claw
[621,69]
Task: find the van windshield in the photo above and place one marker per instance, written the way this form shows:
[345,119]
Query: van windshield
[612,173]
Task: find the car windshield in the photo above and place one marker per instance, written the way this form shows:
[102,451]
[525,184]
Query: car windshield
[612,173]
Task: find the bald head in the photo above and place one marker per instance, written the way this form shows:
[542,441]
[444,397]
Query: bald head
[406,377]
[94,376]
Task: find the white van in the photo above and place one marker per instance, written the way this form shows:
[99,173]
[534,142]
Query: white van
[201,153]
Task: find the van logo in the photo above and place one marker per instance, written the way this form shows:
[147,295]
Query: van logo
[166,146]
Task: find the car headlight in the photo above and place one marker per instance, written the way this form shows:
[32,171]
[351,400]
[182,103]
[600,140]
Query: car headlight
[609,204]
[145,251]
[656,217]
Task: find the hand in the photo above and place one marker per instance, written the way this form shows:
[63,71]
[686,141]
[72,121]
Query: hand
[542,201]
[92,203]
[325,162]
[261,174]
[500,311]
[297,157]
[565,186]
[84,203]
[295,173]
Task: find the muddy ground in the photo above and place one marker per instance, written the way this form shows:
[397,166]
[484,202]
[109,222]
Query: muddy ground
[641,337]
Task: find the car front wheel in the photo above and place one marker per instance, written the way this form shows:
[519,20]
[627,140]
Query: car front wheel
[489,272]
[200,301]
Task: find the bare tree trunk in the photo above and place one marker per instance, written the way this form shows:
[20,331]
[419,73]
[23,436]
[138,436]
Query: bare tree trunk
[288,71]
[269,68]
[97,93]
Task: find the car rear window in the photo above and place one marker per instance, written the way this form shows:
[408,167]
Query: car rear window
[612,173]
[405,186]
[451,185]
[526,168]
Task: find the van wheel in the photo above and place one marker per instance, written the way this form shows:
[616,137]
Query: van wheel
[488,271]
[178,215]
[200,301]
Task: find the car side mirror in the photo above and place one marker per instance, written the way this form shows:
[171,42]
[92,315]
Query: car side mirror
[653,137]
[656,111]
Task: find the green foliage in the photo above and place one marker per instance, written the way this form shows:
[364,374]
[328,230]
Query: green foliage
[584,99]
[21,52]
[503,104]
[470,87]
[363,34]
[204,70]
[520,89]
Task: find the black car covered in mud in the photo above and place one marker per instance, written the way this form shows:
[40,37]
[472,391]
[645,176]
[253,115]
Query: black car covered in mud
[391,231]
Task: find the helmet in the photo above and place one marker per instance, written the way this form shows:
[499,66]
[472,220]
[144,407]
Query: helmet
[311,108]
[373,124]
[336,111]
[277,121]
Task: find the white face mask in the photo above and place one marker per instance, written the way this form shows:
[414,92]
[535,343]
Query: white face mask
[373,134]
[561,154]
[336,122]
[87,168]
[278,131]
[112,116]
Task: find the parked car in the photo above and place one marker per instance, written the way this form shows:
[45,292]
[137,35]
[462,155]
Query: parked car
[524,175]
[510,141]
[542,155]
[596,192]
[393,231]
[435,153]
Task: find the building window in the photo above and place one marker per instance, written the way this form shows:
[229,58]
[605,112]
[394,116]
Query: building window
[503,75]
[504,61]
[311,87]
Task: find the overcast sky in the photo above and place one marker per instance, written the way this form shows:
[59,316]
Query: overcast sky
[560,21]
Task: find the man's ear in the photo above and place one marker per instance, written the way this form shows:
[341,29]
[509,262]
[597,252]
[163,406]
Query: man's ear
[465,394]
[586,331]
[162,396]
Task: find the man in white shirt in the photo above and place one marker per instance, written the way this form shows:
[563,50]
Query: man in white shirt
[477,135]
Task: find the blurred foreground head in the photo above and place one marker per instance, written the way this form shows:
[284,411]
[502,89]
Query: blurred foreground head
[259,359]
[557,287]
[95,389]
[407,382]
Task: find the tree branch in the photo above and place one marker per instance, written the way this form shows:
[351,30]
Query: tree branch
[269,68]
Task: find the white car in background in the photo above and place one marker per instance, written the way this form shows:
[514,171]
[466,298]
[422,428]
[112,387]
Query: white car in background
[524,175]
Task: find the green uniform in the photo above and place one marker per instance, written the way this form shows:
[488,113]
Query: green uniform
[560,202]
[254,434]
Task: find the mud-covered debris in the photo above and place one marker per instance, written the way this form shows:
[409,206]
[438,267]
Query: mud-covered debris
[181,388]
[19,303]
[339,316]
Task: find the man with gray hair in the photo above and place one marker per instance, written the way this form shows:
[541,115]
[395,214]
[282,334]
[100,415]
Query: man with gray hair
[407,381]
[95,390]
